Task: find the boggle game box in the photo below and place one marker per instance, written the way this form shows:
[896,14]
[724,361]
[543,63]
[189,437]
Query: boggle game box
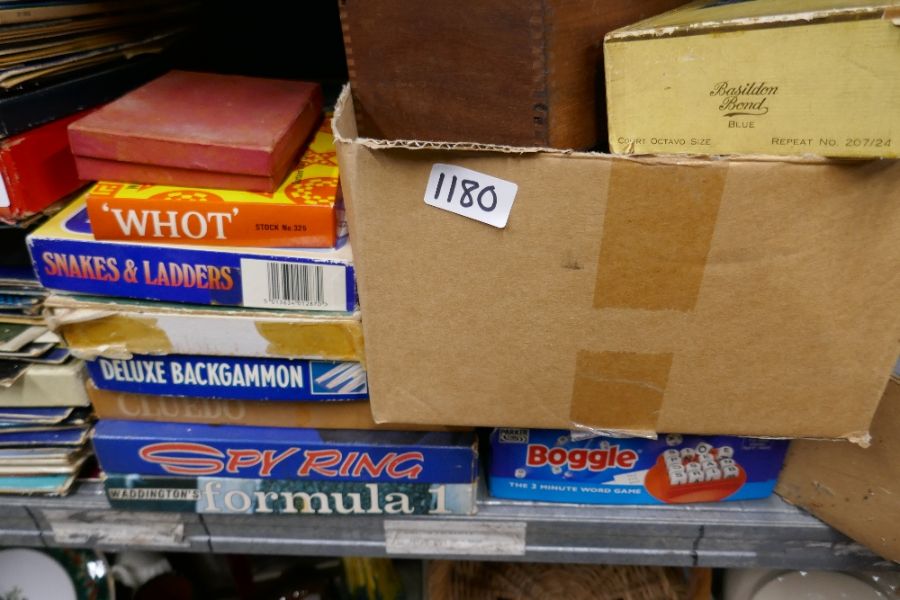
[552,466]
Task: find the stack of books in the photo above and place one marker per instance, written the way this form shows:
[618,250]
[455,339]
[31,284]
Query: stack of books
[207,278]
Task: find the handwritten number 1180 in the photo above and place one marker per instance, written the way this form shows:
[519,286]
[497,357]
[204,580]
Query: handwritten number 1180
[486,198]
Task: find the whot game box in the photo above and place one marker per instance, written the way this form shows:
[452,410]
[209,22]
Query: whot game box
[549,465]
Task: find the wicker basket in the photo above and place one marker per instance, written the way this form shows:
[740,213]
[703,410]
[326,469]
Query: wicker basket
[449,580]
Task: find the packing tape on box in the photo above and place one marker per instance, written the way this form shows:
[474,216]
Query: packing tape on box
[93,333]
[627,388]
[339,341]
[657,234]
[90,333]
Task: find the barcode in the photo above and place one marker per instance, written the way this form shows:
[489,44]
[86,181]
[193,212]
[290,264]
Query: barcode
[294,283]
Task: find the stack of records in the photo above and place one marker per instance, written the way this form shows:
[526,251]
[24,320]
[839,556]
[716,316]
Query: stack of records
[61,56]
[45,415]
[42,449]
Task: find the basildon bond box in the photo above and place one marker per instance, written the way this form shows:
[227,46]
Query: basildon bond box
[711,78]
[739,296]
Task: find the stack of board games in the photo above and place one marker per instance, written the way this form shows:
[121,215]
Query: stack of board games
[222,321]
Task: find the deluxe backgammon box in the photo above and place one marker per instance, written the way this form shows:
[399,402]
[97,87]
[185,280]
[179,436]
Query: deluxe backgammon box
[232,377]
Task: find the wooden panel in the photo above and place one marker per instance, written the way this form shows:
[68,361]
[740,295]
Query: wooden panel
[515,72]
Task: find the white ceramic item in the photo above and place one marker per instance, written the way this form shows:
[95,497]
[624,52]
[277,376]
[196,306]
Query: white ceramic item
[26,574]
[763,584]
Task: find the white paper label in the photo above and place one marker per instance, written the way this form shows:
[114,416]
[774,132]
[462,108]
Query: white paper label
[283,284]
[4,195]
[442,538]
[471,194]
[87,528]
[629,478]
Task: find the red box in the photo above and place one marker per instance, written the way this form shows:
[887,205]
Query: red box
[194,129]
[37,169]
[99,169]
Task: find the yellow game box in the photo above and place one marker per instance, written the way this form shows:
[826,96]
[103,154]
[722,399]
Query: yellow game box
[778,77]
[305,212]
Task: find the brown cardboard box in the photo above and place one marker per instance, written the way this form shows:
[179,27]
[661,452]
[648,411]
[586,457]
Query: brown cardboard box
[740,296]
[524,72]
[855,490]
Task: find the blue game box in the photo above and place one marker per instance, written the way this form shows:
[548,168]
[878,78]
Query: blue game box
[550,466]
[231,378]
[67,258]
[146,448]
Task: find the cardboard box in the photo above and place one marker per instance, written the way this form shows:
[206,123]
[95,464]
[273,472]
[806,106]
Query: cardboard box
[146,448]
[551,465]
[315,415]
[119,328]
[507,72]
[715,78]
[742,297]
[305,211]
[232,378]
[67,258]
[222,495]
[855,490]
